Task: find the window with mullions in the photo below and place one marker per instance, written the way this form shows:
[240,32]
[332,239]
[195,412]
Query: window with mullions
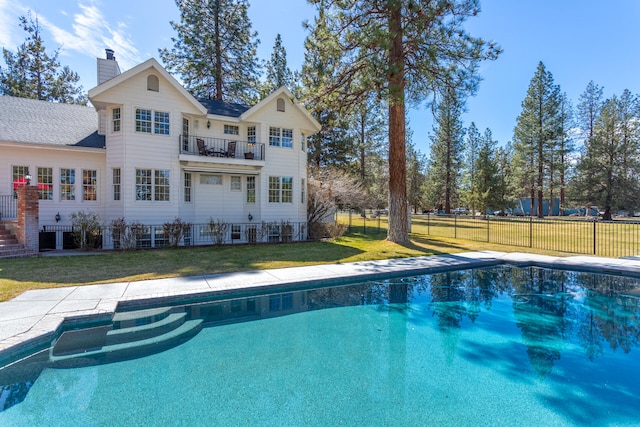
[161,186]
[116,181]
[160,123]
[152,185]
[236,183]
[19,177]
[231,130]
[274,189]
[45,183]
[67,184]
[144,184]
[251,134]
[187,187]
[287,190]
[89,185]
[143,120]
[251,189]
[279,137]
[115,120]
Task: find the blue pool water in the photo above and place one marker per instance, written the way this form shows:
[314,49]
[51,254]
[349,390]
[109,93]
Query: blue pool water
[489,347]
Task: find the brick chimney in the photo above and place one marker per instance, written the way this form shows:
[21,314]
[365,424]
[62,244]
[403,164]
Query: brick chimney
[107,68]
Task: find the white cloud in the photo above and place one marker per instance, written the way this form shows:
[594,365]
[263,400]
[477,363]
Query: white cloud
[9,24]
[91,33]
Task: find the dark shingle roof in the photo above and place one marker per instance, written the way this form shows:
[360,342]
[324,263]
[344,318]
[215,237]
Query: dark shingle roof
[222,108]
[40,122]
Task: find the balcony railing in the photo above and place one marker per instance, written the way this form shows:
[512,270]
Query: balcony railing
[219,147]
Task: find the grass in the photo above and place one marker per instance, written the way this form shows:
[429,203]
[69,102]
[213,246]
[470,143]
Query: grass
[19,275]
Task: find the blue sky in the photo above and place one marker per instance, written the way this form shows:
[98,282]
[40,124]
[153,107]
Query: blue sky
[577,40]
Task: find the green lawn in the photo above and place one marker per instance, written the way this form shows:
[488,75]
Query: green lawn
[19,275]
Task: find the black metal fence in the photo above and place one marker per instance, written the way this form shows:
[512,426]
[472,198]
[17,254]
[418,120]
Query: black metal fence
[584,235]
[137,236]
[616,238]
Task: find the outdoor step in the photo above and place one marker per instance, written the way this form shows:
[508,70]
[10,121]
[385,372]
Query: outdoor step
[129,350]
[17,253]
[8,242]
[126,319]
[149,330]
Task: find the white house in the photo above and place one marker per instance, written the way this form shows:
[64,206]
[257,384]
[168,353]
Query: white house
[149,152]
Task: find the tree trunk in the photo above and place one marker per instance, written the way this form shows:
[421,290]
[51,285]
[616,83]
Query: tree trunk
[398,215]
[218,50]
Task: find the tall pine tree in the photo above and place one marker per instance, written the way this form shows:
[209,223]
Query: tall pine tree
[278,72]
[401,50]
[215,50]
[446,158]
[536,132]
[33,73]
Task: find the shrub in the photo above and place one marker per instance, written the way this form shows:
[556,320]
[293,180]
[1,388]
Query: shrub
[174,231]
[218,230]
[86,230]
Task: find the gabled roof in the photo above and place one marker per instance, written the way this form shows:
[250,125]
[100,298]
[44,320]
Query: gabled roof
[50,123]
[149,63]
[221,108]
[282,90]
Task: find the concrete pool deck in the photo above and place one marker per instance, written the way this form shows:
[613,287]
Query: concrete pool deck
[34,317]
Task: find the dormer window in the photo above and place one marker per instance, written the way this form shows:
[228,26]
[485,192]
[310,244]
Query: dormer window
[280,104]
[153,84]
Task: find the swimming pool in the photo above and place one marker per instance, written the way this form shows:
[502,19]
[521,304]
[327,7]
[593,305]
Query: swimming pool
[494,346]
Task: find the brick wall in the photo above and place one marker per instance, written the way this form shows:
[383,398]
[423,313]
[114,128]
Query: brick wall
[28,217]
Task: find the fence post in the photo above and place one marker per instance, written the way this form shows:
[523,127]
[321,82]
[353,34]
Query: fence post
[488,219]
[349,220]
[455,226]
[594,236]
[530,231]
[364,222]
[378,224]
[428,223]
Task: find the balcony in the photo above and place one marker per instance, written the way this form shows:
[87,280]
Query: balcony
[218,149]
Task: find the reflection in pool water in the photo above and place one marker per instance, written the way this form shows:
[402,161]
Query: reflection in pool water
[500,346]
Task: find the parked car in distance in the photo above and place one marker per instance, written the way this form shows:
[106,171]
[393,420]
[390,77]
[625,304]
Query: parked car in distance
[461,211]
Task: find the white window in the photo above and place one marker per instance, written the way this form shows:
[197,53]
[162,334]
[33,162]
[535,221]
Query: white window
[156,120]
[231,130]
[116,182]
[303,188]
[45,183]
[280,189]
[251,189]
[19,177]
[152,185]
[161,123]
[210,179]
[236,183]
[251,134]
[280,105]
[89,184]
[303,141]
[67,184]
[187,187]
[161,186]
[115,120]
[143,120]
[279,137]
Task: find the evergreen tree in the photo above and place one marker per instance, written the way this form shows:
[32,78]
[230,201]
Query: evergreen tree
[215,50]
[332,146]
[536,132]
[589,108]
[33,73]
[473,142]
[608,172]
[278,73]
[487,181]
[445,160]
[400,49]
[565,146]
[416,177]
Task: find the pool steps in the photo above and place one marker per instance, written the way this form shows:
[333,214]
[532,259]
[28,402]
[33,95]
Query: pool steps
[131,334]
